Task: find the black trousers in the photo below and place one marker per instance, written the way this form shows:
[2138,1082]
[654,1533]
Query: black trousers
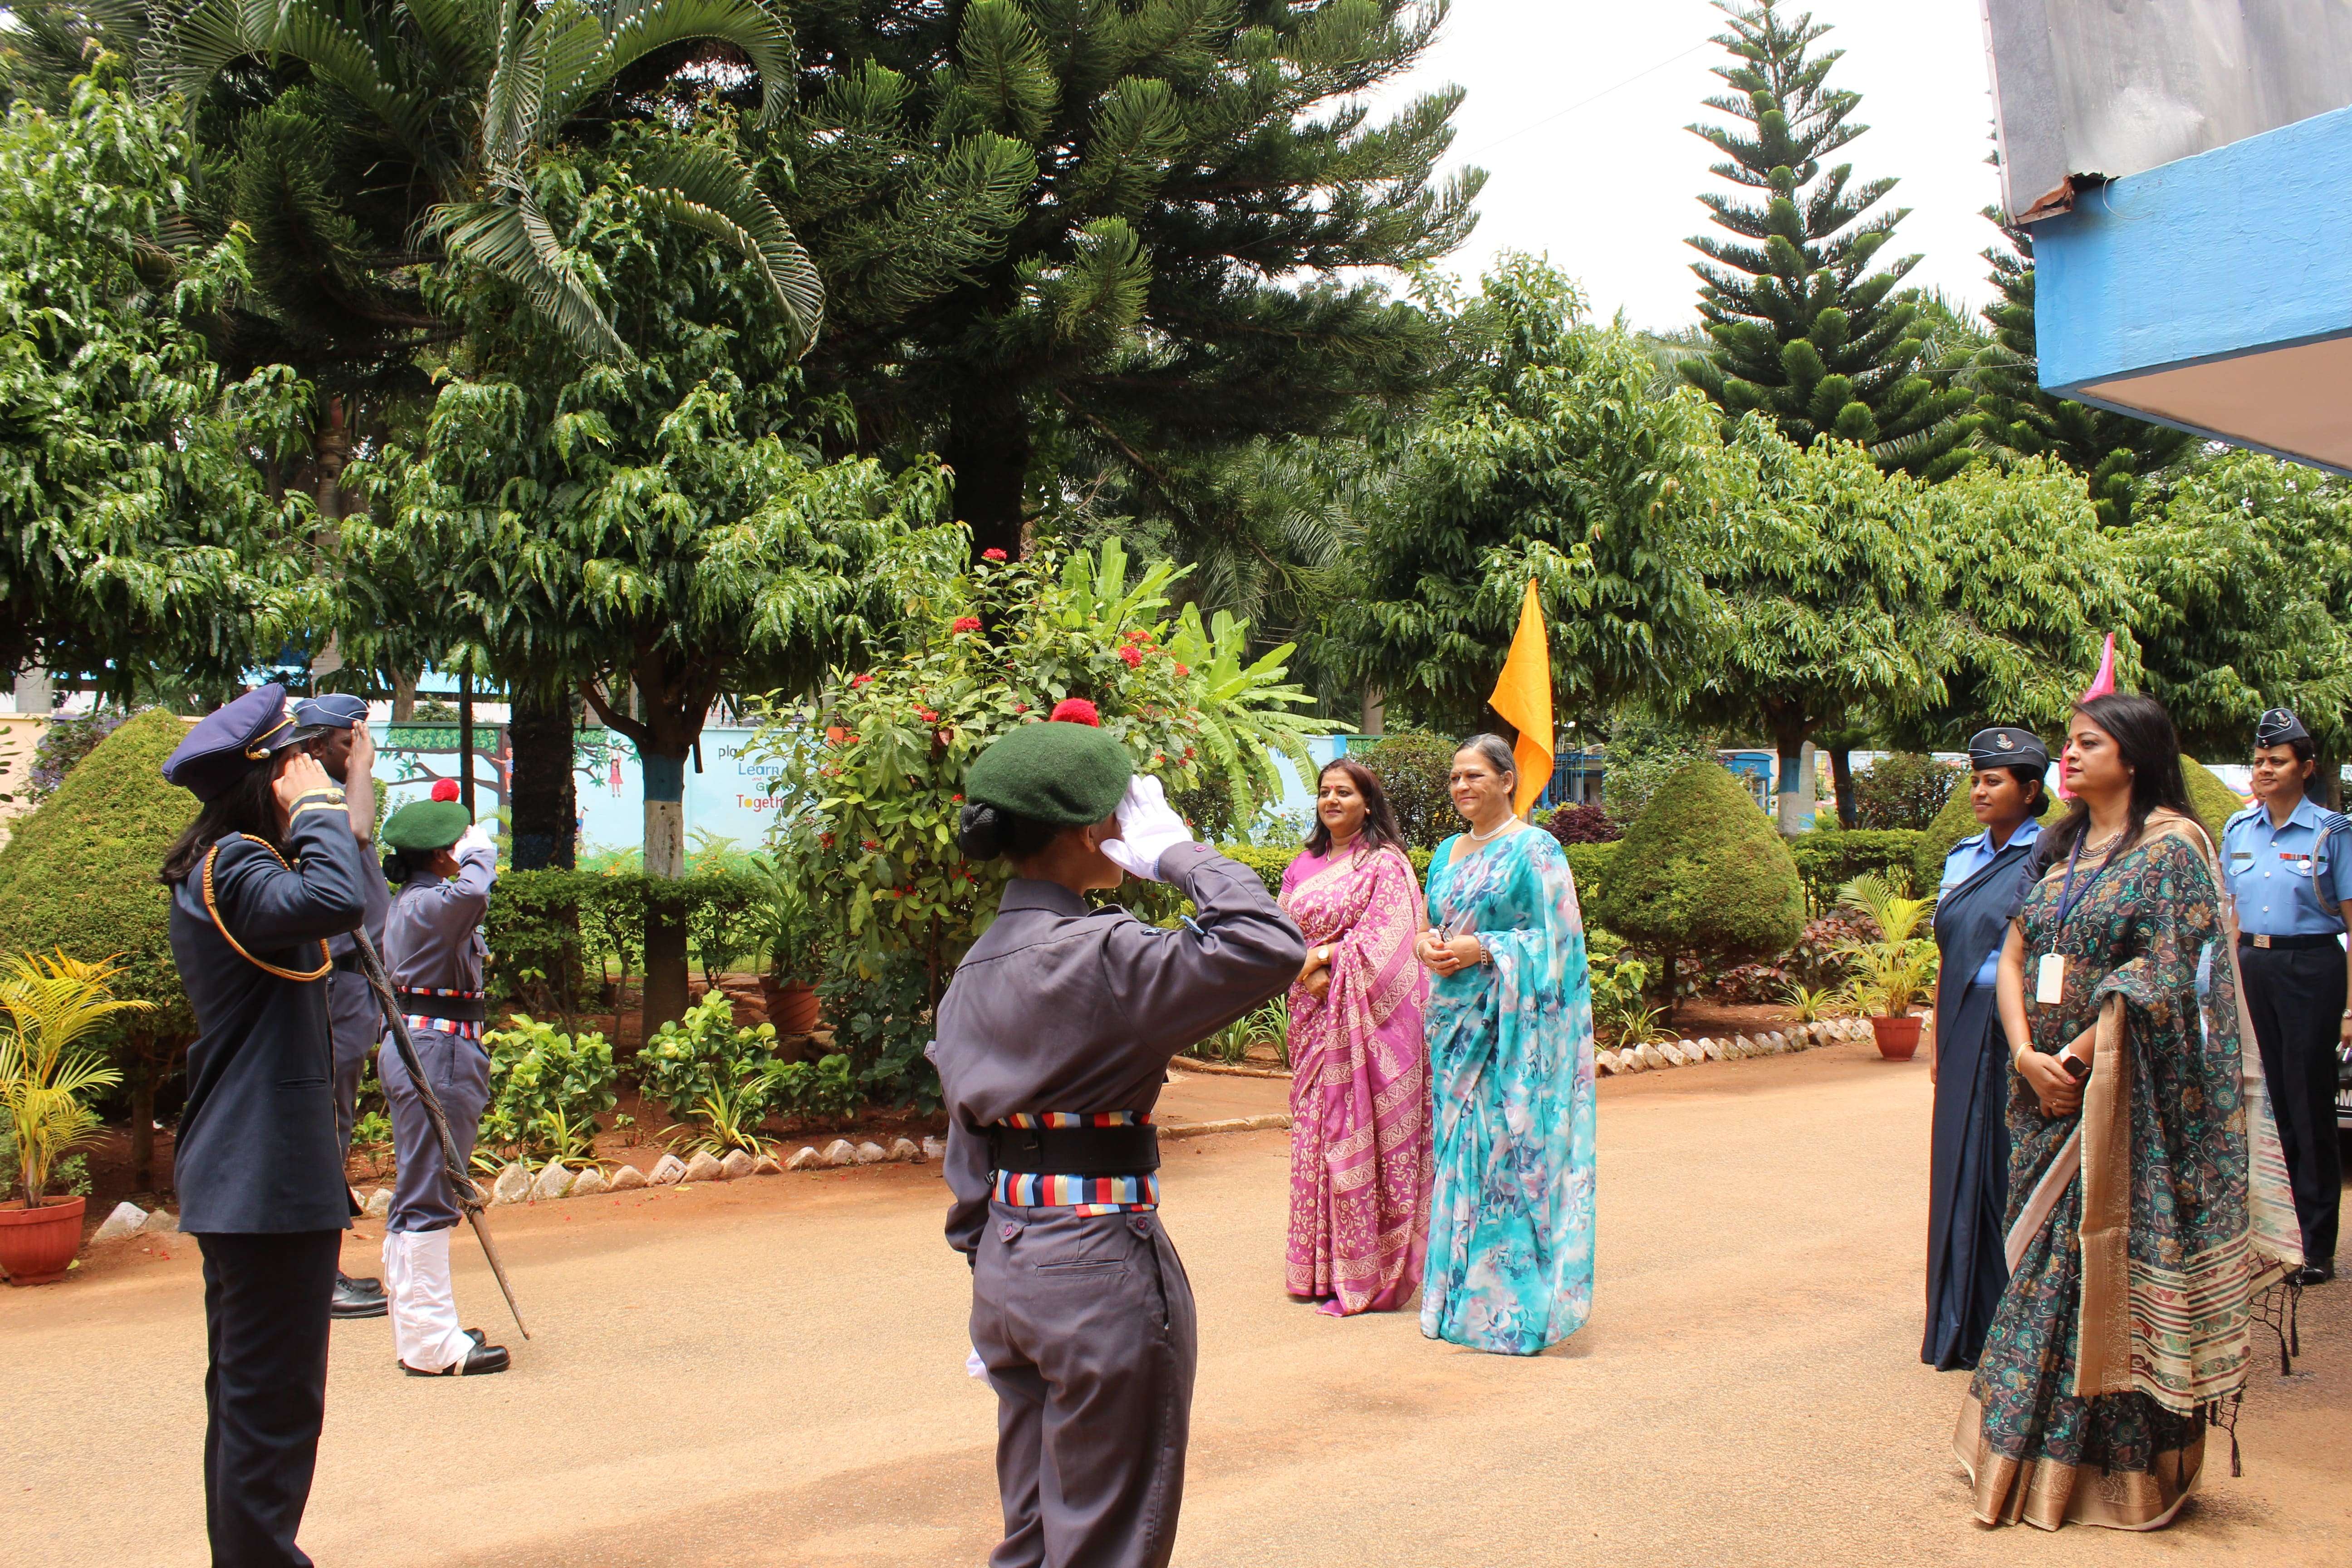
[2296,999]
[266,1301]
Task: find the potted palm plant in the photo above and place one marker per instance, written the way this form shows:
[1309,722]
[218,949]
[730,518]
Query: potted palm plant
[792,932]
[52,1004]
[1888,977]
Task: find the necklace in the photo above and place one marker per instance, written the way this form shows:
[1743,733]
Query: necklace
[1484,839]
[2104,844]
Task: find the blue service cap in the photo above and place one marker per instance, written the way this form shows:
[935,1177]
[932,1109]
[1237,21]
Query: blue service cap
[334,710]
[2278,727]
[2007,746]
[232,738]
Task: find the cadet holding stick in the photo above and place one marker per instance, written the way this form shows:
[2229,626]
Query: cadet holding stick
[1054,1039]
[433,952]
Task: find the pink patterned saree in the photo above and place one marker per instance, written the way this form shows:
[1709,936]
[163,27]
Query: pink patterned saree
[1360,1131]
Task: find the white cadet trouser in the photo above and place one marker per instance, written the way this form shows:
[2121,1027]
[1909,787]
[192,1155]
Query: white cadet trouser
[425,1333]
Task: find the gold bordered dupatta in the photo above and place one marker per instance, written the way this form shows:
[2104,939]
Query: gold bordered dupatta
[2178,1334]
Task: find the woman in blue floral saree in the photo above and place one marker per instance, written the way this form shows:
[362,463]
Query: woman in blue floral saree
[1510,1046]
[2147,1200]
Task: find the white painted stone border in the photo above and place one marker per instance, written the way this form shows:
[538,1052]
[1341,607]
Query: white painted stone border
[1687,1053]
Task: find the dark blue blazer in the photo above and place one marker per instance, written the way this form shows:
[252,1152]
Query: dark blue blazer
[258,1149]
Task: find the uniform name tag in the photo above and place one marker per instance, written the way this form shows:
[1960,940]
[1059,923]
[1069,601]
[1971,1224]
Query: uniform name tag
[2050,979]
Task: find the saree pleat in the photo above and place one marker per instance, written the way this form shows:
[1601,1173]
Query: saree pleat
[2133,1246]
[1359,1088]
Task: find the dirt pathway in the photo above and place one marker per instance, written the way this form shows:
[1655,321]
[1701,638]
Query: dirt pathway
[770,1373]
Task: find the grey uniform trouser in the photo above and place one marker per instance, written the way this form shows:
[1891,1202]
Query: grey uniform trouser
[459,1071]
[1086,1325]
[355,1024]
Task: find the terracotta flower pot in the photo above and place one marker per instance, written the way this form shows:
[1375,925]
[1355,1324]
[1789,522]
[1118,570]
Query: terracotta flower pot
[37,1246]
[791,1007]
[1897,1038]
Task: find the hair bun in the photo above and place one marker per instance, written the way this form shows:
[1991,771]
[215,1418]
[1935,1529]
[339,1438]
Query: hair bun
[980,830]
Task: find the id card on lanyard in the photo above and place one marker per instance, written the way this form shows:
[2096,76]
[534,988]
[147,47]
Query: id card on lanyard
[2050,976]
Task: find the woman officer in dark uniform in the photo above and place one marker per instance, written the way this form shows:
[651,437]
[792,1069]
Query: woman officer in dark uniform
[1054,1039]
[1984,878]
[267,873]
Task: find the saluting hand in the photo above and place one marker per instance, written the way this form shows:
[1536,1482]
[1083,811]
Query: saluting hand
[301,775]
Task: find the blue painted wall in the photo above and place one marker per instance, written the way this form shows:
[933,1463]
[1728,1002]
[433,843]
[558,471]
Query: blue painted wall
[2247,247]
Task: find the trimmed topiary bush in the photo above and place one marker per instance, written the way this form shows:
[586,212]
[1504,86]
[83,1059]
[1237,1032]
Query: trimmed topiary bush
[1701,870]
[1412,767]
[2216,802]
[1903,790]
[1829,858]
[80,873]
[1954,823]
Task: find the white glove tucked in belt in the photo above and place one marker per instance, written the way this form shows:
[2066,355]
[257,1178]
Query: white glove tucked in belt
[1147,829]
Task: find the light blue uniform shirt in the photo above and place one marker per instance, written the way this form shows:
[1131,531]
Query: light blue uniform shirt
[1967,857]
[2270,870]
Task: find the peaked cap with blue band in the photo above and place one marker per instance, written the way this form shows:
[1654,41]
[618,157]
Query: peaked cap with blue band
[334,710]
[233,740]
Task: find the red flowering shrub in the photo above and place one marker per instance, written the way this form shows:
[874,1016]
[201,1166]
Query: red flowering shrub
[965,623]
[1587,824]
[991,555]
[1133,658]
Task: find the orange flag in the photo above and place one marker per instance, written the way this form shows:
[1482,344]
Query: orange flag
[1523,696]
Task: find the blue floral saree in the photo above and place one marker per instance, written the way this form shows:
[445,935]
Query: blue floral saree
[1510,1049]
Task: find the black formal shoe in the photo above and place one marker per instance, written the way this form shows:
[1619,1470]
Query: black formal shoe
[370,1287]
[2312,1274]
[481,1360]
[353,1300]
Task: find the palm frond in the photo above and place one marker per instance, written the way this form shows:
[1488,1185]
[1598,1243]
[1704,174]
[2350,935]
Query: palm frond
[511,238]
[711,189]
[636,31]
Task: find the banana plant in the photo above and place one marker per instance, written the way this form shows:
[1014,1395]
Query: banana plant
[466,94]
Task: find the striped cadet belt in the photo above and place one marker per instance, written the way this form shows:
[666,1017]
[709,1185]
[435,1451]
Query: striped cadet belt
[463,1028]
[1079,1194]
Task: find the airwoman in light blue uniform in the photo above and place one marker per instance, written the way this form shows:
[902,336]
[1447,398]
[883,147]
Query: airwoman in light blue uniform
[2289,865]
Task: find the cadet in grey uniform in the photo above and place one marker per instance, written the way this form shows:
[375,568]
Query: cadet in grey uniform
[347,750]
[433,951]
[1054,1039]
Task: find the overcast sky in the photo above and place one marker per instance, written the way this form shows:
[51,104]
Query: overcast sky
[1577,109]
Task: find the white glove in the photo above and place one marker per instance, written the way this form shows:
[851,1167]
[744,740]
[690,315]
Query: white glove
[973,1366]
[475,838]
[1147,829]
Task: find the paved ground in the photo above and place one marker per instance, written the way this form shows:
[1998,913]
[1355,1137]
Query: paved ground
[770,1373]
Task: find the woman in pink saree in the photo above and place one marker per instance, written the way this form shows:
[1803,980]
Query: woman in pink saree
[1359,1125]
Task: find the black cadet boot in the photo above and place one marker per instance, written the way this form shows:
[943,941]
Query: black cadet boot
[481,1360]
[358,1298]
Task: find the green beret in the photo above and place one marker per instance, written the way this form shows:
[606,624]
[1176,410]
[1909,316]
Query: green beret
[426,824]
[1064,774]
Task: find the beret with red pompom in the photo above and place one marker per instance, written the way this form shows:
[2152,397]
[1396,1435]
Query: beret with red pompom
[445,789]
[1067,775]
[1074,710]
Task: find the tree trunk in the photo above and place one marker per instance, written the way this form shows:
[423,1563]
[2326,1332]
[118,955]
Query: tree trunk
[1789,743]
[1841,779]
[1667,970]
[989,448]
[466,742]
[1375,717]
[543,799]
[142,1122]
[404,697]
[665,973]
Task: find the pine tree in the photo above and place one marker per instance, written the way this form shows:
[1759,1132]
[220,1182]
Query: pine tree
[1189,178]
[2114,452]
[1805,328]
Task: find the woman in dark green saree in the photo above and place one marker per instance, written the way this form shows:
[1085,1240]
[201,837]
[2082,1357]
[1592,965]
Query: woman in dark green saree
[2147,1195]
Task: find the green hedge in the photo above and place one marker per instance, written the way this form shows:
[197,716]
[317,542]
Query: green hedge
[1829,858]
[552,934]
[1587,862]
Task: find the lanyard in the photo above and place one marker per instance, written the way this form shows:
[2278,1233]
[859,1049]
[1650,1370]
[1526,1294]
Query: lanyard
[2067,897]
